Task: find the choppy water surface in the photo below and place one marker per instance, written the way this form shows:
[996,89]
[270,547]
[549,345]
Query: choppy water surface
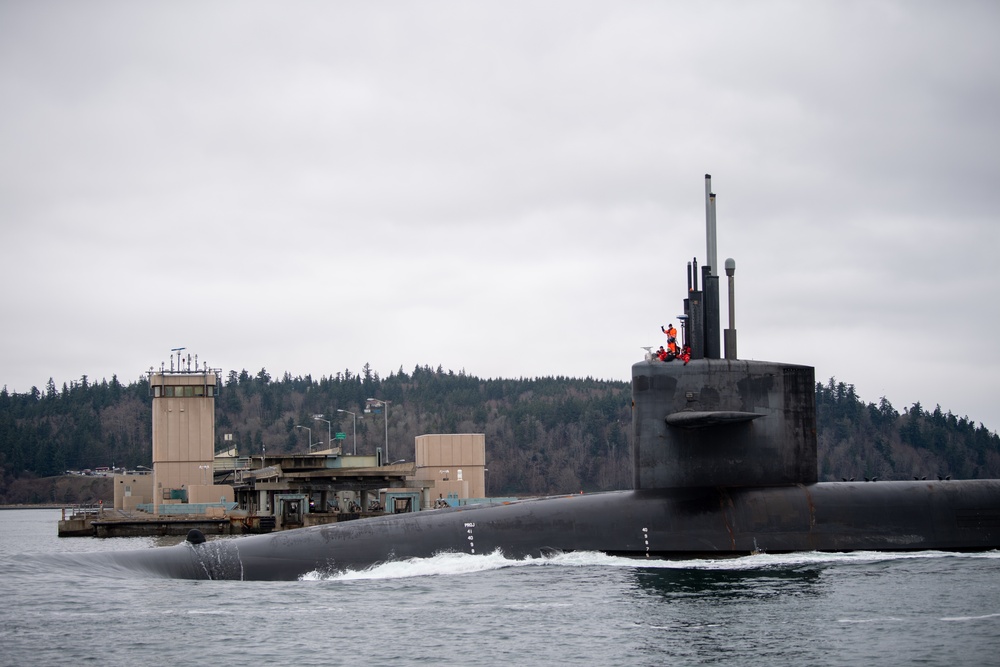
[926,608]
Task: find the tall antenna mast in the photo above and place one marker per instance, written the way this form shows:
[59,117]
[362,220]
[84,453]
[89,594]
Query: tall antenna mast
[711,243]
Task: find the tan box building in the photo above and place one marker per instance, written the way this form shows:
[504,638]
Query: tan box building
[133,488]
[455,462]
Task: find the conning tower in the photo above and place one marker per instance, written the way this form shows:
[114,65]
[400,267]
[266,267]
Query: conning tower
[716,422]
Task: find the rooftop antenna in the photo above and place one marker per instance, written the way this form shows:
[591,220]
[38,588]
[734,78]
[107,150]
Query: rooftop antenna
[178,351]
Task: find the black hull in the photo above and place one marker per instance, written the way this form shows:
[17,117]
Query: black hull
[668,523]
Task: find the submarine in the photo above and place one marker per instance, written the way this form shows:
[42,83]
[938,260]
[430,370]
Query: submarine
[724,464]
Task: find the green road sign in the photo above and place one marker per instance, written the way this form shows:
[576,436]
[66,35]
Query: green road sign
[339,436]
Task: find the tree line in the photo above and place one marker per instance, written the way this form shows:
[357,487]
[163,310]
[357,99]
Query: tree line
[873,440]
[543,435]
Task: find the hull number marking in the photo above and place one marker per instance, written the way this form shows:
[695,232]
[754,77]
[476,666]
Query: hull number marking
[469,535]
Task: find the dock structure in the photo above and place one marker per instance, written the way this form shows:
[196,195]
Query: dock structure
[270,493]
[325,487]
[97,521]
[79,521]
[190,485]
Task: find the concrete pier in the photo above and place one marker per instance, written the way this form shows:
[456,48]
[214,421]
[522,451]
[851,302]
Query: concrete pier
[153,527]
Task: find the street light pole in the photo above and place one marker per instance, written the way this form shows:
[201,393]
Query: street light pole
[310,437]
[329,431]
[379,403]
[355,429]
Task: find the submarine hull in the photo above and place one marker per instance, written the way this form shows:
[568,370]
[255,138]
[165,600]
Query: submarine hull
[663,523]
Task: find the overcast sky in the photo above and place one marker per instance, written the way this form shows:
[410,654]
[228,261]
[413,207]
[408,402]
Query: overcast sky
[509,188]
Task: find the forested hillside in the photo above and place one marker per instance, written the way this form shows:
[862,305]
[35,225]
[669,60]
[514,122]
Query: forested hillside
[857,439]
[543,435]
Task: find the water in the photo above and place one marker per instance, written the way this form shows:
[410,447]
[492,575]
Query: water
[926,608]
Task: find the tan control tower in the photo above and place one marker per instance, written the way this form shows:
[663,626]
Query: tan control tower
[184,433]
